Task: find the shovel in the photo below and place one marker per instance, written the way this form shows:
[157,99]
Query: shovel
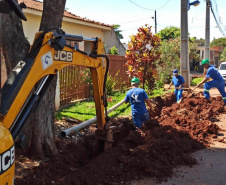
[187,94]
[175,88]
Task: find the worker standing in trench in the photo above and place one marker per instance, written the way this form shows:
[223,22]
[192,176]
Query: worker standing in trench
[178,82]
[217,81]
[137,98]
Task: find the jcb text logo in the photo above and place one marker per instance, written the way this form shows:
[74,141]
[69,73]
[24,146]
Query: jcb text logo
[6,160]
[61,55]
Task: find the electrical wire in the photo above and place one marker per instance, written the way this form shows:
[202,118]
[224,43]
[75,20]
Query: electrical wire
[135,20]
[148,8]
[218,25]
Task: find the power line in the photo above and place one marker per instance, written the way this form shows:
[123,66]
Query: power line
[215,10]
[148,8]
[135,20]
[218,25]
[217,22]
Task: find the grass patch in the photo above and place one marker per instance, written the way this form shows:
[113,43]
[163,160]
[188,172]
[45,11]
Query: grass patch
[86,110]
[157,92]
[195,81]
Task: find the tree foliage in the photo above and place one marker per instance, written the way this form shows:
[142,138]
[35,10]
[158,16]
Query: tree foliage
[171,32]
[170,57]
[223,55]
[113,51]
[117,31]
[142,53]
[219,42]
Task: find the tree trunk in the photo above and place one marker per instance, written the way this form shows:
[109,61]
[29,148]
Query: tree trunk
[14,44]
[39,130]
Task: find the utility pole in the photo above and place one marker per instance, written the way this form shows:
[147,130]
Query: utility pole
[155,23]
[207,33]
[155,19]
[184,54]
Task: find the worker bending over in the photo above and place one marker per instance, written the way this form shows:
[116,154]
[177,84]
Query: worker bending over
[217,81]
[137,98]
[178,82]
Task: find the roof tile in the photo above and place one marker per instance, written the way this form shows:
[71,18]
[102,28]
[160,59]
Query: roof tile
[38,5]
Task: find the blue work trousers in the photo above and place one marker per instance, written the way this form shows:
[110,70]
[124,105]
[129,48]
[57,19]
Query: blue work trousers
[178,93]
[138,119]
[220,85]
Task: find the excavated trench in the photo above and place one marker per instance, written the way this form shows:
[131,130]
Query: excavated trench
[167,141]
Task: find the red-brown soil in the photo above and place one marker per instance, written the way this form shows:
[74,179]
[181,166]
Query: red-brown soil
[167,141]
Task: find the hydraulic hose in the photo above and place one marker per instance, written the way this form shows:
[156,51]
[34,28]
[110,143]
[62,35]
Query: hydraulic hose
[107,68]
[105,80]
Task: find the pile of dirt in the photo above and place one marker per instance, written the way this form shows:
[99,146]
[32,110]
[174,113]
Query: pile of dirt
[166,142]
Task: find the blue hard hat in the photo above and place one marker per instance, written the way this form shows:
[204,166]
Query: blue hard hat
[175,71]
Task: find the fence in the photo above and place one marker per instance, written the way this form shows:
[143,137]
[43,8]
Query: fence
[73,88]
[117,63]
[71,85]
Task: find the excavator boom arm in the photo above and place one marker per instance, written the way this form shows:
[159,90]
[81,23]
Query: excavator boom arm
[49,55]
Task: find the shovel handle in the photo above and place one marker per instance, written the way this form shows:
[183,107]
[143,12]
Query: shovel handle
[194,88]
[181,88]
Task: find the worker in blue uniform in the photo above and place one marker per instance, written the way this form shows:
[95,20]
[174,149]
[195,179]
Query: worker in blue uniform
[137,98]
[178,82]
[217,81]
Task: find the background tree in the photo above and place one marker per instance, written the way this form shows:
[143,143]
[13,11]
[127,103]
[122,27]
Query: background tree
[39,129]
[142,53]
[171,32]
[223,55]
[219,42]
[170,58]
[117,31]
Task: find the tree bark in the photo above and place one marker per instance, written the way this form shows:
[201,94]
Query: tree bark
[39,130]
[14,44]
[52,14]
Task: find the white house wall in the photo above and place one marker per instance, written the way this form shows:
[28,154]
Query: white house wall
[31,26]
[82,30]
[110,40]
[75,27]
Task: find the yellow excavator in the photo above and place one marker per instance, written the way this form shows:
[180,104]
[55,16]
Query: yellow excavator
[48,55]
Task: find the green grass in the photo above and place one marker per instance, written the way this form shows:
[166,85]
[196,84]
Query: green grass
[86,110]
[195,81]
[157,92]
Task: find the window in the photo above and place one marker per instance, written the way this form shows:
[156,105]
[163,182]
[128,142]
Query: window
[223,67]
